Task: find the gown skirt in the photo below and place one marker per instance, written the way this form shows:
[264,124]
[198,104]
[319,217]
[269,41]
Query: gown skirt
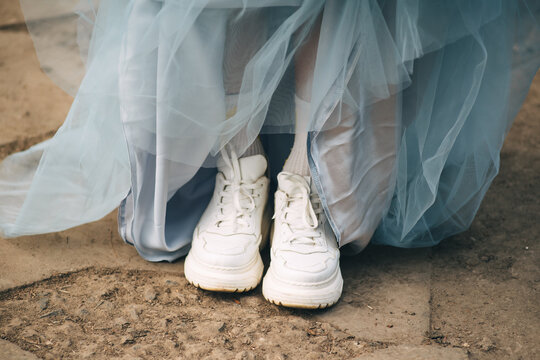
[411,102]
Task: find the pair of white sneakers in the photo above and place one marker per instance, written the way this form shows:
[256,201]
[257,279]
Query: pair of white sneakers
[225,255]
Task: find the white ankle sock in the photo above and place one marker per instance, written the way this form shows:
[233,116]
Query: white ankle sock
[255,148]
[297,162]
[240,139]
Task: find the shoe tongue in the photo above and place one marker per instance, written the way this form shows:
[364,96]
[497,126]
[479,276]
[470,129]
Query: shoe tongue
[291,183]
[251,168]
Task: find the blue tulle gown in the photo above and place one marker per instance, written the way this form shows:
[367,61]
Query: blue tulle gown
[411,102]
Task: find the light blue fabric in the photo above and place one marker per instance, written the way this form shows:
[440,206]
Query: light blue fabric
[411,101]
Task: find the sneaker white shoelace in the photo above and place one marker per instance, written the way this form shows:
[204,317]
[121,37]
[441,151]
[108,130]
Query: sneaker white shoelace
[237,193]
[302,218]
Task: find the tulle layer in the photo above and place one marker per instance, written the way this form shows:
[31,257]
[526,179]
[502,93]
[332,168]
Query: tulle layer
[411,101]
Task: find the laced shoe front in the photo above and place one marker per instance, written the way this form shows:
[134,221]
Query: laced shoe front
[225,251]
[304,269]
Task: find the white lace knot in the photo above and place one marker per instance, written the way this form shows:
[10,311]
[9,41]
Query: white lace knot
[301,217]
[237,192]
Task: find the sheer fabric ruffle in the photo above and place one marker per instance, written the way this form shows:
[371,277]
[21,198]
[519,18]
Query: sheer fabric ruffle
[411,101]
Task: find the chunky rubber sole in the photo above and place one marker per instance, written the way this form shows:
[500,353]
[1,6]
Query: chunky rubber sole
[223,279]
[305,295]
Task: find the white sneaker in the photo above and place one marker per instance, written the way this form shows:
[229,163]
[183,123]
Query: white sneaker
[224,254]
[304,269]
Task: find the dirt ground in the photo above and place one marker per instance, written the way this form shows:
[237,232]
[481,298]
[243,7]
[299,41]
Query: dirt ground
[486,281]
[159,315]
[483,285]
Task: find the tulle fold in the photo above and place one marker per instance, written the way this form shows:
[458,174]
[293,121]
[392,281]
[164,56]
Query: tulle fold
[411,101]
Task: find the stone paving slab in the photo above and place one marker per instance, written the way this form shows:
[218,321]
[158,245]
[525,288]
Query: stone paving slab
[385,297]
[10,12]
[32,258]
[54,27]
[13,352]
[56,43]
[40,9]
[24,113]
[27,119]
[409,352]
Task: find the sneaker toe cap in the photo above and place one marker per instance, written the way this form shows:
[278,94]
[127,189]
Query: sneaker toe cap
[219,250]
[304,268]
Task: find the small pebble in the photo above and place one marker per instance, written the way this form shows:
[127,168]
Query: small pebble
[43,303]
[66,343]
[28,333]
[15,322]
[53,313]
[487,258]
[120,321]
[486,344]
[245,355]
[128,339]
[133,314]
[339,335]
[107,305]
[179,296]
[150,294]
[163,323]
[221,327]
